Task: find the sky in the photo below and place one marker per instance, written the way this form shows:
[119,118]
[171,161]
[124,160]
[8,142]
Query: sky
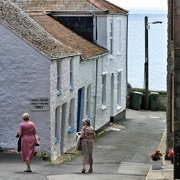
[146,4]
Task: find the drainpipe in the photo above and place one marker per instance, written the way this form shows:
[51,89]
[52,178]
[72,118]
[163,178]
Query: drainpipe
[95,97]
[94,27]
[127,57]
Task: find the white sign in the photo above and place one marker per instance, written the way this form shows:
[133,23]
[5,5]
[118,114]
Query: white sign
[39,104]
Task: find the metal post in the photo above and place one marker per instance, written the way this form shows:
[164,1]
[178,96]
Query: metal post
[146,65]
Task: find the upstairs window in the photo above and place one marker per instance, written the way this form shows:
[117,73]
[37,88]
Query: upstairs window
[104,90]
[111,38]
[71,76]
[59,78]
[120,38]
[88,101]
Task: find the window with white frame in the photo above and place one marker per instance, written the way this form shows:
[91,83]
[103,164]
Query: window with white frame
[57,122]
[71,116]
[58,77]
[88,101]
[111,37]
[120,38]
[71,75]
[104,89]
[119,88]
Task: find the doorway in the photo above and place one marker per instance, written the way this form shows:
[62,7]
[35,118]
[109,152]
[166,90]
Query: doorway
[80,108]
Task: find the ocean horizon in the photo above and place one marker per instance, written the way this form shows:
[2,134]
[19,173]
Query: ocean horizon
[157,48]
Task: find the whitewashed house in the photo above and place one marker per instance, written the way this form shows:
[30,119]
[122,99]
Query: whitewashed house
[29,56]
[105,24]
[58,76]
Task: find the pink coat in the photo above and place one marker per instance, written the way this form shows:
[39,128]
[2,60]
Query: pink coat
[27,129]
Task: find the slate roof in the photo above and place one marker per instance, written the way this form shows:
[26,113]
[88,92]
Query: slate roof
[69,38]
[24,26]
[99,6]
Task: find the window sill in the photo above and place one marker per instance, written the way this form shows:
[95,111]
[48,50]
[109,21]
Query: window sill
[88,116]
[104,107]
[70,129]
[111,57]
[118,108]
[58,93]
[56,140]
[71,88]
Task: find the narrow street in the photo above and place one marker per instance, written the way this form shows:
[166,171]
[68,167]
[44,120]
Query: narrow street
[122,152]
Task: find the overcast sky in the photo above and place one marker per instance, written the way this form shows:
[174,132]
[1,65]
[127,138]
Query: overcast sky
[128,4]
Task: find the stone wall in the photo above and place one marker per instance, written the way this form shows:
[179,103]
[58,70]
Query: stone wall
[170,80]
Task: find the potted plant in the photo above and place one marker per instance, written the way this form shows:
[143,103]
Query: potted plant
[171,155]
[156,161]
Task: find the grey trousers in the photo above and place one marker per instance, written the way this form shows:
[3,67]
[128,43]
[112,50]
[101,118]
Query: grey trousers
[86,154]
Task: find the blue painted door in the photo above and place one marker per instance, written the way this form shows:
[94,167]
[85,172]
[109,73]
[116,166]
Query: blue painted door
[80,108]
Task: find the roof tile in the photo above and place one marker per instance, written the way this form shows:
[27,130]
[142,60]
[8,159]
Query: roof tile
[68,37]
[69,6]
[14,18]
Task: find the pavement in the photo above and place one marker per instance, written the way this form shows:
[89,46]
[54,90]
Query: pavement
[122,152]
[166,173]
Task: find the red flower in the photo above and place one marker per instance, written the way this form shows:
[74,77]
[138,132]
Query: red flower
[171,153]
[156,156]
[153,156]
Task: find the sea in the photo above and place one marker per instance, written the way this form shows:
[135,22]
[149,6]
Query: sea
[157,49]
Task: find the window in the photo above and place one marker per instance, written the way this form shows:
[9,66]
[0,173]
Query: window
[103,89]
[111,38]
[59,78]
[119,43]
[57,121]
[71,116]
[71,76]
[119,89]
[88,101]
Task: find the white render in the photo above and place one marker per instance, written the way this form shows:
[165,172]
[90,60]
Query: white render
[118,58]
[22,78]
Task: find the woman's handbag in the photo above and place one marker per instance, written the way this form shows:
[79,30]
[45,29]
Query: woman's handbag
[79,144]
[37,140]
[19,143]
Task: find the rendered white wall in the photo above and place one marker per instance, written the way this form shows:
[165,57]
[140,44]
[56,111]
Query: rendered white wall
[118,58]
[24,74]
[58,101]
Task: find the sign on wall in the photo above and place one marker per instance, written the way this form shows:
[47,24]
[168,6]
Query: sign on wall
[39,104]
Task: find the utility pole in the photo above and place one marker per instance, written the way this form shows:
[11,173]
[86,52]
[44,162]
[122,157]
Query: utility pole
[146,65]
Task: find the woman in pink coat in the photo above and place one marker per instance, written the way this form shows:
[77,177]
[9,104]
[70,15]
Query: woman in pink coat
[27,131]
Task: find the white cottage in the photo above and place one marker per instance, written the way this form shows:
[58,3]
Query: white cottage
[58,76]
[105,24]
[27,56]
